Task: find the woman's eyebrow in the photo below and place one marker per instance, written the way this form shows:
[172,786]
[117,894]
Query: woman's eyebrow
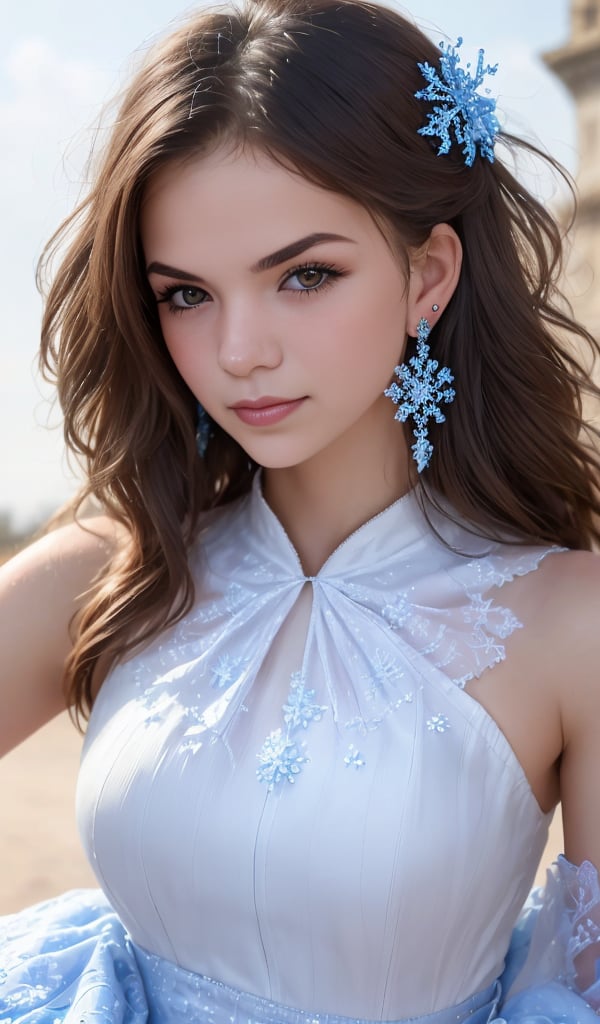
[266,263]
[295,249]
[166,271]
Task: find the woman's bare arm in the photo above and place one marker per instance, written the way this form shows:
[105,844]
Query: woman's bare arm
[578,685]
[41,589]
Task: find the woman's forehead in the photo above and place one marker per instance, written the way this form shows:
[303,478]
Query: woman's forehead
[228,192]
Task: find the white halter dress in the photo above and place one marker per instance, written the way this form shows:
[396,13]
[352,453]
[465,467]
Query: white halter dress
[294,809]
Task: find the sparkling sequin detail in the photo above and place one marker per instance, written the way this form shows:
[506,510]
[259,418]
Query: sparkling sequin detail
[354,758]
[438,723]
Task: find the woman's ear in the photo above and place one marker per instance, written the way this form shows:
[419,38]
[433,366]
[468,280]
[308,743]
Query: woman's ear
[434,273]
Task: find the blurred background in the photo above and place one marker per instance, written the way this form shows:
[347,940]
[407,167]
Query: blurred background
[59,65]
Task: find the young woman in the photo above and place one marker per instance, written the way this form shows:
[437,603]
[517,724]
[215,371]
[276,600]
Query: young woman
[336,630]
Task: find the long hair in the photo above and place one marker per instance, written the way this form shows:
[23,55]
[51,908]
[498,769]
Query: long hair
[326,87]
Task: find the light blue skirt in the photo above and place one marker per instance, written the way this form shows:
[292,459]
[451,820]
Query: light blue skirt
[69,961]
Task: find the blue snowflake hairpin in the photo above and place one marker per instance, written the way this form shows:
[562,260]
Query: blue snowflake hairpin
[458,105]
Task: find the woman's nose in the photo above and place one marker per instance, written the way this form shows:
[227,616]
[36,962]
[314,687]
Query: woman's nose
[247,343]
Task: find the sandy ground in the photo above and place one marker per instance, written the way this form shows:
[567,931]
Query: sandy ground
[40,852]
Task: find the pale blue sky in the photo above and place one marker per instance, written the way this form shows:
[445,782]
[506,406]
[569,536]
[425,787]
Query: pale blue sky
[59,62]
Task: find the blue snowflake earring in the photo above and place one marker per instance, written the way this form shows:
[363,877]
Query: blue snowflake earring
[422,388]
[458,105]
[204,430]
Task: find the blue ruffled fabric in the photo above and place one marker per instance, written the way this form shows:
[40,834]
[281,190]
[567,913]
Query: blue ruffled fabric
[70,961]
[559,922]
[548,1004]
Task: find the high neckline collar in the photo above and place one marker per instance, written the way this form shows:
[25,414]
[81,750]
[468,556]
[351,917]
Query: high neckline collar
[382,536]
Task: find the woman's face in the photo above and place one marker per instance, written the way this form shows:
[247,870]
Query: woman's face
[280,302]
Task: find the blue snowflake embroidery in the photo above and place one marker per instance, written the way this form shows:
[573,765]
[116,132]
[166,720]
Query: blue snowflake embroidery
[210,613]
[280,760]
[384,673]
[364,726]
[479,610]
[508,624]
[490,621]
[494,571]
[301,709]
[438,723]
[396,612]
[354,758]
[423,385]
[489,646]
[419,627]
[280,757]
[235,597]
[458,106]
[158,708]
[225,671]
[585,899]
[384,669]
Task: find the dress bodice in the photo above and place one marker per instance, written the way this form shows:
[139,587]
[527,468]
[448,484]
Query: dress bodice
[291,790]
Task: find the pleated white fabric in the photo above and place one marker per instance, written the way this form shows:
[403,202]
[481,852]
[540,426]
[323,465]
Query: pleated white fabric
[292,792]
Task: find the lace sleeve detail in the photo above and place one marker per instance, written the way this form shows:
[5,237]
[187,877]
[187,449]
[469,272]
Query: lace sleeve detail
[555,951]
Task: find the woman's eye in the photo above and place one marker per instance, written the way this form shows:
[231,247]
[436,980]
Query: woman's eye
[180,299]
[186,297]
[310,278]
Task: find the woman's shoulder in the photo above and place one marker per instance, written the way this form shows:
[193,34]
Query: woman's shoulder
[568,592]
[560,602]
[570,600]
[42,589]
[560,606]
[73,551]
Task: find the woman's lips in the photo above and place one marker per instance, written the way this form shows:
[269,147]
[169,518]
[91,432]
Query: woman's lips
[265,411]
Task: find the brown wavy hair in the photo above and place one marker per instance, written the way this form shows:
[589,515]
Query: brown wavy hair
[326,86]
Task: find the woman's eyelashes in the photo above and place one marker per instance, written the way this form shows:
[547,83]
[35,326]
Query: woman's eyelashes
[307,279]
[311,277]
[181,298]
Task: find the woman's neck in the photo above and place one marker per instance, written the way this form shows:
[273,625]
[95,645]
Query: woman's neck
[322,501]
